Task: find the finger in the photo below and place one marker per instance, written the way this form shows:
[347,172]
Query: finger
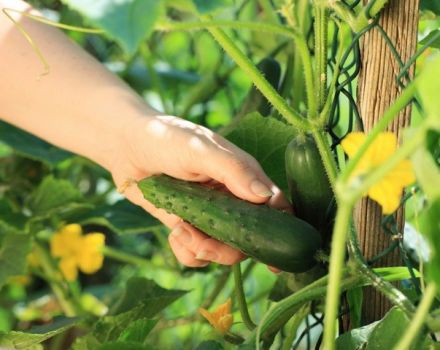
[183,255]
[238,172]
[274,269]
[204,247]
[279,201]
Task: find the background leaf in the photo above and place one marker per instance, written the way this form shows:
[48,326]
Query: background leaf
[122,217]
[53,194]
[128,22]
[266,139]
[31,146]
[14,249]
[205,6]
[26,340]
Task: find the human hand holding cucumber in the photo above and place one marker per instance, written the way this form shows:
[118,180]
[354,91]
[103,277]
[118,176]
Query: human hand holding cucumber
[80,106]
[191,152]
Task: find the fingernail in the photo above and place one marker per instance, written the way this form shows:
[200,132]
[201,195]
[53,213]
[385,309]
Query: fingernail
[260,189]
[208,256]
[183,235]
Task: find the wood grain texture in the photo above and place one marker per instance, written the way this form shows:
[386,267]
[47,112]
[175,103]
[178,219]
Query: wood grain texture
[377,89]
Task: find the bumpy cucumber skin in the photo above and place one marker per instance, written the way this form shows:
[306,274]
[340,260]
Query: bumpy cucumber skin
[270,236]
[309,186]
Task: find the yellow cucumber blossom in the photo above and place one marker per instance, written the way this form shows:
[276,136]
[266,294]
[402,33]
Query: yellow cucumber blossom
[386,192]
[77,251]
[221,318]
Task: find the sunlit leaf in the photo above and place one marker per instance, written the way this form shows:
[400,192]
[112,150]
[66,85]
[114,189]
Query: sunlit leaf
[36,335]
[128,22]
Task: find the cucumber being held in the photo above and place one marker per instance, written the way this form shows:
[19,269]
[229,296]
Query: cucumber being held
[266,234]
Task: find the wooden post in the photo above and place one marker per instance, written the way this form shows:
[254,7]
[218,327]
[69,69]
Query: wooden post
[377,89]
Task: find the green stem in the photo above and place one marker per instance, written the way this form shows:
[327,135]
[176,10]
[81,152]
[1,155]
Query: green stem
[240,297]
[419,318]
[299,39]
[321,27]
[326,156]
[401,102]
[296,321]
[337,257]
[125,257]
[220,284]
[54,281]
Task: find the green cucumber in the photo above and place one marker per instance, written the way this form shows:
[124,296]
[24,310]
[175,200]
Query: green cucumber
[310,191]
[268,235]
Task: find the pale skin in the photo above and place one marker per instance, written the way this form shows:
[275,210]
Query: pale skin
[80,106]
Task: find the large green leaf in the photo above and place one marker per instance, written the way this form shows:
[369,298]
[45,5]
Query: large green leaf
[427,172]
[30,146]
[128,22]
[380,335]
[143,299]
[27,340]
[430,228]
[14,249]
[210,345]
[266,139]
[138,330]
[430,5]
[53,194]
[432,39]
[122,217]
[429,85]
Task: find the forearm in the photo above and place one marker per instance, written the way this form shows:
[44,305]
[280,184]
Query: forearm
[79,105]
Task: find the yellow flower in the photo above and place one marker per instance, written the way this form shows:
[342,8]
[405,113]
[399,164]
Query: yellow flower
[221,318]
[388,191]
[77,251]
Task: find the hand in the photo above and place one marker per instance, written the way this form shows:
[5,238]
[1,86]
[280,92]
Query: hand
[184,150]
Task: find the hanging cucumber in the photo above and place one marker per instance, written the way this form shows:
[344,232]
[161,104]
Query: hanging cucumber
[309,186]
[266,234]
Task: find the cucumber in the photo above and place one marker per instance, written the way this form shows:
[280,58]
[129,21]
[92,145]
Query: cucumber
[270,236]
[310,191]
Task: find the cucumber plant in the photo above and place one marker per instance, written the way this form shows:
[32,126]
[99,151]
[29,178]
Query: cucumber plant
[294,64]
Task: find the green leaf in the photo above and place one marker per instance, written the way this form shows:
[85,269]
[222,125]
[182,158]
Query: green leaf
[394,273]
[430,5]
[354,299]
[388,331]
[53,194]
[27,340]
[128,22]
[14,249]
[31,146]
[432,39]
[380,335]
[204,6]
[138,330]
[122,217]
[210,345]
[10,221]
[119,345]
[430,228]
[355,339]
[428,86]
[143,299]
[427,173]
[266,139]
[142,290]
